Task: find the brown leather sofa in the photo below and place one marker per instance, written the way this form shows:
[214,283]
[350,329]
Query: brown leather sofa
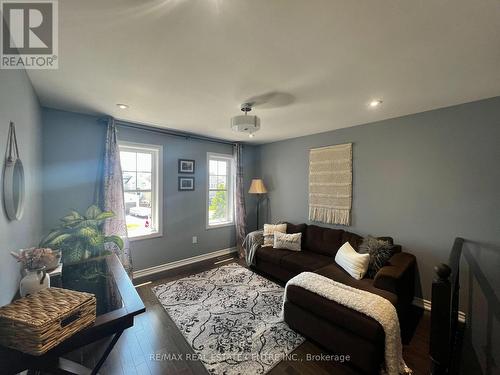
[335,327]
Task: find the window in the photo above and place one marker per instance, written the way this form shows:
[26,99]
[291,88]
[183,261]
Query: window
[220,190]
[142,181]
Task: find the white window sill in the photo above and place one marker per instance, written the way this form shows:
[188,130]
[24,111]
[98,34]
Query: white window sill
[221,225]
[145,237]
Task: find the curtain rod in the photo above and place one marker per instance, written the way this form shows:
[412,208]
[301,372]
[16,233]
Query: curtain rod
[171,132]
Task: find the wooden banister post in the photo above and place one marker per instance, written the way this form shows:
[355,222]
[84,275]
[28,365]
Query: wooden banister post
[439,348]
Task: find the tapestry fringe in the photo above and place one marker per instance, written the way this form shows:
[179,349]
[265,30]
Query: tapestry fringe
[330,215]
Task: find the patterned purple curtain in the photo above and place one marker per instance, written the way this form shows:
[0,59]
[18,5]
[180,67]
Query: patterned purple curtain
[112,197]
[239,198]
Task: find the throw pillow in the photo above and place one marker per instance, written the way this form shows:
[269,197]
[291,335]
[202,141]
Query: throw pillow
[380,252]
[350,260]
[269,230]
[287,241]
[297,228]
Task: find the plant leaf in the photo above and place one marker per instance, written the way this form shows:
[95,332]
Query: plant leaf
[105,215]
[72,255]
[72,216]
[92,212]
[96,242]
[93,223]
[88,232]
[49,237]
[57,241]
[117,240]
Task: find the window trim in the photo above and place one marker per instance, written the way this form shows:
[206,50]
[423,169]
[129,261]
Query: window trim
[231,189]
[158,182]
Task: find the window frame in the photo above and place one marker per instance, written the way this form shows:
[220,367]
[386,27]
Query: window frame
[156,183]
[231,188]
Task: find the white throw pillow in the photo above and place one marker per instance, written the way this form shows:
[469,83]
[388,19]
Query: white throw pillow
[287,241]
[269,230]
[350,260]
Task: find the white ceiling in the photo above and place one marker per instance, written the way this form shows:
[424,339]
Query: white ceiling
[188,64]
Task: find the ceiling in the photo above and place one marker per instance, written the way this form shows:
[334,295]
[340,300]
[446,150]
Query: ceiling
[314,65]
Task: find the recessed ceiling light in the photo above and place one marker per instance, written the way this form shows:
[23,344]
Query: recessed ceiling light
[375,103]
[251,135]
[122,106]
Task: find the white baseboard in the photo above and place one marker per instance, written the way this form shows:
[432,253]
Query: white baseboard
[427,305]
[182,262]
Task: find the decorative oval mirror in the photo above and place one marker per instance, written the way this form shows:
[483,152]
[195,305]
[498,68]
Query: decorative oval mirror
[13,179]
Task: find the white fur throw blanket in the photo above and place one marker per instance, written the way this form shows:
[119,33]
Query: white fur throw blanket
[366,303]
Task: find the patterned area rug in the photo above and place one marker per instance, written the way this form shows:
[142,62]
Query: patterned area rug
[231,318]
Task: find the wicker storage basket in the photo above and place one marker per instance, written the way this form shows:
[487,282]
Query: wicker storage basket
[38,322]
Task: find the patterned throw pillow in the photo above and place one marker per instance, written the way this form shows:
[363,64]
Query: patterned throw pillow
[287,241]
[269,230]
[380,252]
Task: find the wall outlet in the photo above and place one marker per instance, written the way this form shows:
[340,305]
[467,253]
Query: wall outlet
[195,239]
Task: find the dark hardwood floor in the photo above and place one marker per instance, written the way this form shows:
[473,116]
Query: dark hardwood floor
[154,333]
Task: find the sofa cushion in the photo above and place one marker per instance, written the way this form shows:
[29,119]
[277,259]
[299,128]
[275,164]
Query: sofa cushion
[274,271]
[335,272]
[296,228]
[324,241]
[353,239]
[270,255]
[336,314]
[304,261]
[366,354]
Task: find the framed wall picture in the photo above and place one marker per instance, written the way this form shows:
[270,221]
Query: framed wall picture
[186,183]
[186,166]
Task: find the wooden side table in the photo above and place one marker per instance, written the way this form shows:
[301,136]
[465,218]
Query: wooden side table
[117,305]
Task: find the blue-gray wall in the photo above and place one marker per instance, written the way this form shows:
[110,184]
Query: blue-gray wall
[19,103]
[72,147]
[423,179]
[72,150]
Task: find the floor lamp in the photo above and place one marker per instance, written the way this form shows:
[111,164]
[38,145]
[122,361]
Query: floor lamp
[258,188]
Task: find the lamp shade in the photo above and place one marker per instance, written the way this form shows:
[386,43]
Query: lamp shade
[257,187]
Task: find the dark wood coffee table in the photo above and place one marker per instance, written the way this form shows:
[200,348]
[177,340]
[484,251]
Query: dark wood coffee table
[117,305]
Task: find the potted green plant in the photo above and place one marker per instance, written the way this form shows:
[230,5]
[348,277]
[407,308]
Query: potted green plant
[80,237]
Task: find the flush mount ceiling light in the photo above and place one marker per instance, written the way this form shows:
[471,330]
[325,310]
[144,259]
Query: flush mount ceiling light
[122,106]
[246,123]
[375,103]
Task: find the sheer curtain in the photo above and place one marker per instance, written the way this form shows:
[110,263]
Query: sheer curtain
[112,196]
[239,198]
